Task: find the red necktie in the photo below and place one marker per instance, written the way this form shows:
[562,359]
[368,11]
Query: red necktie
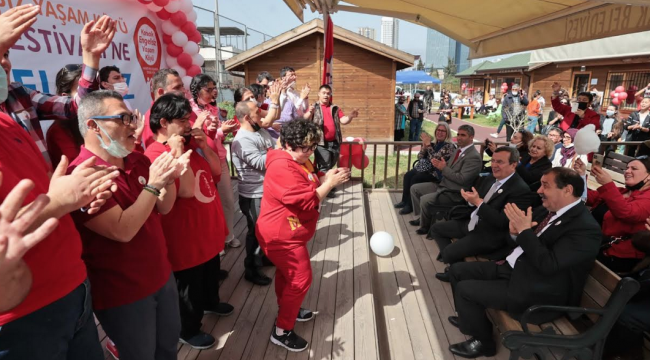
[456,157]
[544,222]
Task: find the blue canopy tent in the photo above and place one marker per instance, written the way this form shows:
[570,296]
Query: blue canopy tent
[415,77]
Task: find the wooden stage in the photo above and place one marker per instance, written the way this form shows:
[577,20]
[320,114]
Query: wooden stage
[368,307]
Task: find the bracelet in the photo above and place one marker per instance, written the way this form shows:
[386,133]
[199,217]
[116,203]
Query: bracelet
[152,190]
[274,106]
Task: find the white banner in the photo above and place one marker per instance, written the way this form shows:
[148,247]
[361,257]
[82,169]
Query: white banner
[53,42]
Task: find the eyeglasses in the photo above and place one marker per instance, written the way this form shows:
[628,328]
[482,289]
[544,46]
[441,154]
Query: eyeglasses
[127,119]
[306,149]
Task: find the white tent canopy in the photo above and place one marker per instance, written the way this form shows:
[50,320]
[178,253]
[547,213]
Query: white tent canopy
[504,26]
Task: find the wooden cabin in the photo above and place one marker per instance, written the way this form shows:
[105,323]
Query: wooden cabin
[363,73]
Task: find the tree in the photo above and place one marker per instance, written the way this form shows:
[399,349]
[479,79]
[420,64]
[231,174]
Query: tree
[450,69]
[420,65]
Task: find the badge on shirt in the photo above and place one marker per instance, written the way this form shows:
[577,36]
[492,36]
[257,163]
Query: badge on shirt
[142,180]
[558,223]
[499,191]
[311,177]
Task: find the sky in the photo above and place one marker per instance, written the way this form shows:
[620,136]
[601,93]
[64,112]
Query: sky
[273,17]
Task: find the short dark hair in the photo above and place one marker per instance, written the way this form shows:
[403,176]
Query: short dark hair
[285,70]
[106,70]
[198,82]
[239,94]
[588,95]
[299,132]
[258,90]
[467,128]
[169,106]
[325,86]
[264,75]
[514,153]
[159,80]
[565,176]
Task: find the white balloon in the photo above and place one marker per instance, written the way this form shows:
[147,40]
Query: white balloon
[153,7]
[171,61]
[191,48]
[169,28]
[382,243]
[192,16]
[187,80]
[173,6]
[179,39]
[197,60]
[180,70]
[187,6]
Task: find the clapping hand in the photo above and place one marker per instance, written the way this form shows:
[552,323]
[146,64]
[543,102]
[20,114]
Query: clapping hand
[439,163]
[519,220]
[14,22]
[471,197]
[140,122]
[305,91]
[426,139]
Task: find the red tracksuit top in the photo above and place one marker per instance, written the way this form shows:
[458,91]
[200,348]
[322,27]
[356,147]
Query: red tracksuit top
[290,205]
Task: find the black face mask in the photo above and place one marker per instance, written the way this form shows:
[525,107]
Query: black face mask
[637,186]
[255,126]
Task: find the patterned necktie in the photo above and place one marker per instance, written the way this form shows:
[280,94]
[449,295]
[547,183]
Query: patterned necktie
[474,219]
[544,222]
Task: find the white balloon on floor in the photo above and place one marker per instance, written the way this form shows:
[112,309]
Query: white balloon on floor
[382,243]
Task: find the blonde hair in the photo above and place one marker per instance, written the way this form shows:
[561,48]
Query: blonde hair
[549,147]
[446,126]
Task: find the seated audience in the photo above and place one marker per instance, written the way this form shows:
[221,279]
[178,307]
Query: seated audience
[555,134]
[424,171]
[566,155]
[620,211]
[520,140]
[556,248]
[483,231]
[531,168]
[459,173]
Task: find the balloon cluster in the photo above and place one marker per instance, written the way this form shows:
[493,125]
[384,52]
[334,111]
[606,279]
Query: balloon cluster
[504,87]
[180,36]
[359,159]
[619,94]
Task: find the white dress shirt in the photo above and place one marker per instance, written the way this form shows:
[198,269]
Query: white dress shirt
[474,217]
[516,253]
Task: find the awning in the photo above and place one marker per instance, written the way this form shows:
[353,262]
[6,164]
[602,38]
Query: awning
[415,77]
[504,26]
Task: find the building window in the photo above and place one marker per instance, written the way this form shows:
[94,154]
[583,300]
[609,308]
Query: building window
[631,81]
[580,83]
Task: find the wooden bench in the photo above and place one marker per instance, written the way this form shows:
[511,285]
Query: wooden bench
[615,164]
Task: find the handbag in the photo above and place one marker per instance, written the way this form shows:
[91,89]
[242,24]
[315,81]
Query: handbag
[424,165]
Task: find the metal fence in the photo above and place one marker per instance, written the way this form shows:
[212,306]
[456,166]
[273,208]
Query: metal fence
[631,81]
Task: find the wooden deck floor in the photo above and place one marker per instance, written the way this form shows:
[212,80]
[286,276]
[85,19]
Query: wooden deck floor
[369,307]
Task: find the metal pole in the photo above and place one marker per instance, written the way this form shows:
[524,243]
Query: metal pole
[245,37]
[217,43]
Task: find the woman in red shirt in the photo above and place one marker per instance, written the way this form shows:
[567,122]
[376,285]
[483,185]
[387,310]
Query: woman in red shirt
[622,212]
[290,207]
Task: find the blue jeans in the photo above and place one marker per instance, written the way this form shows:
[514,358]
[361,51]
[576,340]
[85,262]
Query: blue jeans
[501,125]
[62,330]
[532,124]
[416,128]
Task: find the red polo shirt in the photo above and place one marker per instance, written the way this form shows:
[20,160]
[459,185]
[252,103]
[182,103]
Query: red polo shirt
[195,228]
[329,128]
[60,142]
[55,262]
[122,273]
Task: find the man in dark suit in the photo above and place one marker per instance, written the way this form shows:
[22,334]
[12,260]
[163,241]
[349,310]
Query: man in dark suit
[459,173]
[484,231]
[557,246]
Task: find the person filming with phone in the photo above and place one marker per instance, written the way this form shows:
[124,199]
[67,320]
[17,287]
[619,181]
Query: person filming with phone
[576,118]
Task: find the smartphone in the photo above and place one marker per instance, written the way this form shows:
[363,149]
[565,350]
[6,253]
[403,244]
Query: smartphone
[598,160]
[574,107]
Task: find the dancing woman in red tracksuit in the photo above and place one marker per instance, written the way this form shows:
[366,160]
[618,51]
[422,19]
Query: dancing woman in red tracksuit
[290,207]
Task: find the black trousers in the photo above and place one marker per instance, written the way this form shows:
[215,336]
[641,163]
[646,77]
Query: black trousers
[627,334]
[414,177]
[475,243]
[478,286]
[327,155]
[509,132]
[616,264]
[198,290]
[251,209]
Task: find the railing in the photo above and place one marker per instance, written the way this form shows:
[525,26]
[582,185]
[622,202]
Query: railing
[382,155]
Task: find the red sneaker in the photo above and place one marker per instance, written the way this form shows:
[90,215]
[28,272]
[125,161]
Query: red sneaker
[110,347]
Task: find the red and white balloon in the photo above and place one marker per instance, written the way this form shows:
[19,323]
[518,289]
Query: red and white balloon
[619,94]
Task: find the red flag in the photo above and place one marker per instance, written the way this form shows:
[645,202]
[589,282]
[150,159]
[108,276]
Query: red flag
[328,51]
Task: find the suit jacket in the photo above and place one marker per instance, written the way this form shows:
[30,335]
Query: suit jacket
[491,213]
[462,173]
[553,268]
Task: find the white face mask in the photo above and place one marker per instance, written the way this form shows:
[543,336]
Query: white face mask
[121,88]
[515,93]
[611,113]
[4,86]
[114,148]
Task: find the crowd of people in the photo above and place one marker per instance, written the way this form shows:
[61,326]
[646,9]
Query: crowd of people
[124,215]
[530,212]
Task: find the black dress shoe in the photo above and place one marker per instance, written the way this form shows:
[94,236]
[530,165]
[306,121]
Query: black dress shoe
[399,205]
[415,222]
[406,210]
[421,231]
[257,278]
[453,320]
[443,276]
[474,348]
[223,274]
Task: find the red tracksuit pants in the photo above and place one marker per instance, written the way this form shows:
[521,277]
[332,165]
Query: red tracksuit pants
[292,281]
